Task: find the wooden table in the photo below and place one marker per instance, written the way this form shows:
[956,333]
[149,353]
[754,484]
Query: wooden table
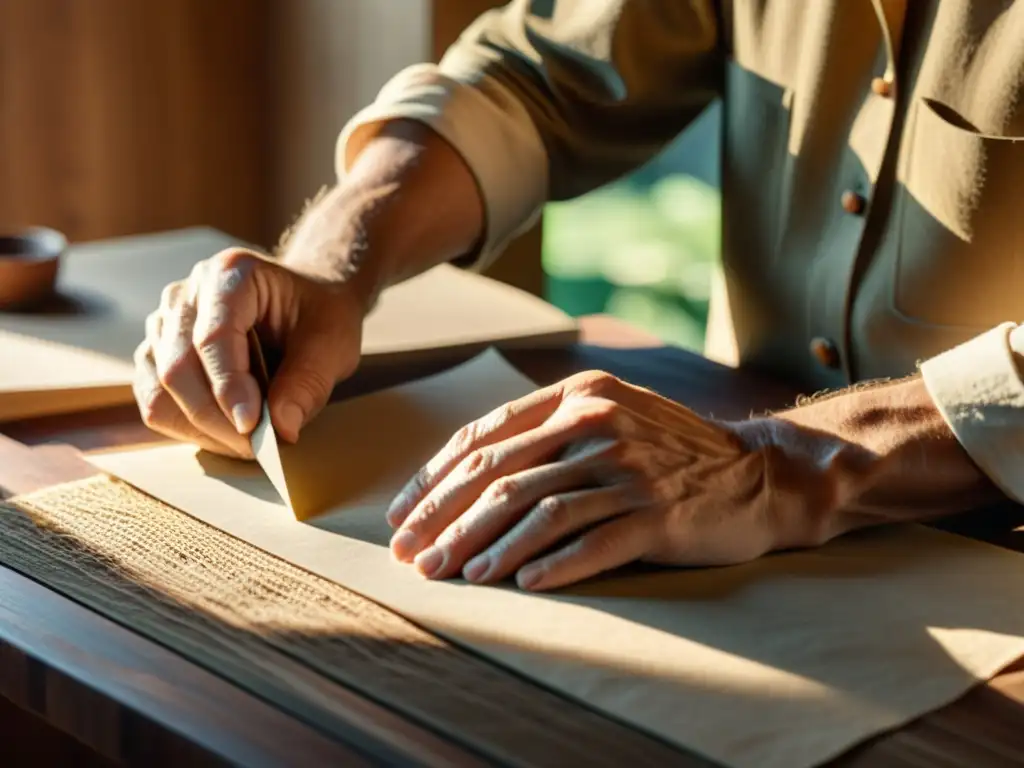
[124,698]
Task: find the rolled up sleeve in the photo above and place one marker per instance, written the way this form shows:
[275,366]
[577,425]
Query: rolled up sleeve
[489,128]
[549,104]
[977,387]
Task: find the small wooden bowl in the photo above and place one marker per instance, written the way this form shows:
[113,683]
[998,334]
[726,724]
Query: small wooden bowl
[29,262]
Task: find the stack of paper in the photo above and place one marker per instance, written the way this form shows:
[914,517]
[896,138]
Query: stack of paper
[77,354]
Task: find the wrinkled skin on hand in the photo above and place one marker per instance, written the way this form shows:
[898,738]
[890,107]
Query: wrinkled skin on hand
[192,378]
[582,477]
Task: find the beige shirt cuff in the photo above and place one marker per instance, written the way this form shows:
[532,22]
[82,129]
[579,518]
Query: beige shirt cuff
[487,126]
[978,389]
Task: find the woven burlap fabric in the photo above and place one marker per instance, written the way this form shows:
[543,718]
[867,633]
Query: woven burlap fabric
[273,628]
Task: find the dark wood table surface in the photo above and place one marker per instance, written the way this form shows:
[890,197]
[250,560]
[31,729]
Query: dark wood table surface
[78,688]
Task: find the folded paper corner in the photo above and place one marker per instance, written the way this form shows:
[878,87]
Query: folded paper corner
[268,455]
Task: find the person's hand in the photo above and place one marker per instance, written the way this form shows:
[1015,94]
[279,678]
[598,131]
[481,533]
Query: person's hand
[193,381]
[590,474]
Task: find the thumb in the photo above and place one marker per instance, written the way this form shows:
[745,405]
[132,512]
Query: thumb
[317,355]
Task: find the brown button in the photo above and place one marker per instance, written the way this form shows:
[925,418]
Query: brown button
[825,352]
[852,202]
[881,86]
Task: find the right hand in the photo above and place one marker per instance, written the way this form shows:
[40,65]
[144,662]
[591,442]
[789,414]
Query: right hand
[192,377]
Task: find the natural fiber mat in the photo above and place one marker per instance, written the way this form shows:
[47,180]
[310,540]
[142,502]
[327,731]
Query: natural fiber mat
[274,629]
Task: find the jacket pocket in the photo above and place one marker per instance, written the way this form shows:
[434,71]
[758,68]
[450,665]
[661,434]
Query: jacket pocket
[960,212]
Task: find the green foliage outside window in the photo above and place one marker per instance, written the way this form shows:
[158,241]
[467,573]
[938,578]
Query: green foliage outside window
[643,248]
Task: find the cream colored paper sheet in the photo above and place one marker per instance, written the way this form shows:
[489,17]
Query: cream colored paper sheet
[109,288]
[31,385]
[784,662]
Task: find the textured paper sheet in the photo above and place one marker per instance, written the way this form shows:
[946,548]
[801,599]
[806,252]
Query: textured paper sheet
[107,289]
[784,662]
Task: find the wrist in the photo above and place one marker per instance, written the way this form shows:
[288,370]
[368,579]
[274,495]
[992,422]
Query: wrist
[334,241]
[872,454]
[408,203]
[807,477]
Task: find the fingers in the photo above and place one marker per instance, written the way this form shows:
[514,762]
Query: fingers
[159,410]
[198,347]
[553,519]
[500,424]
[180,372]
[611,545]
[456,491]
[593,417]
[226,308]
[317,356]
[493,500]
[496,510]
[460,488]
[677,423]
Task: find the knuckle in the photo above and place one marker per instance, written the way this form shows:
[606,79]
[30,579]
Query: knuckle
[171,371]
[502,491]
[152,404]
[170,294]
[232,258]
[597,414]
[594,383]
[552,513]
[453,536]
[499,417]
[477,461]
[148,414]
[462,441]
[208,333]
[152,326]
[198,270]
[141,355]
[425,512]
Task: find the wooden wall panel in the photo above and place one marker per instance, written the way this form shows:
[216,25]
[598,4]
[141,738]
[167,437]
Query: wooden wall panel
[127,116]
[121,116]
[331,57]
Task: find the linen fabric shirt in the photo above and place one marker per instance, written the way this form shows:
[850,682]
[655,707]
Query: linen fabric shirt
[872,172]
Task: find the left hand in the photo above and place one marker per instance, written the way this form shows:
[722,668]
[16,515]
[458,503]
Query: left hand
[584,476]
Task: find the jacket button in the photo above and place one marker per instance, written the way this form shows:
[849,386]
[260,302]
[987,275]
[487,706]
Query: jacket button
[852,202]
[825,352]
[881,86]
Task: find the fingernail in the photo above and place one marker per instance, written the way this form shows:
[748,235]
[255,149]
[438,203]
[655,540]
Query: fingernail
[429,561]
[290,421]
[244,417]
[529,577]
[476,568]
[403,544]
[393,515]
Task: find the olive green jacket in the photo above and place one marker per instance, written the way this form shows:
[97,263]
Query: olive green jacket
[872,171]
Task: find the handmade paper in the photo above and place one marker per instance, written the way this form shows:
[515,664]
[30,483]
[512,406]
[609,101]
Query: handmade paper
[107,289]
[784,662]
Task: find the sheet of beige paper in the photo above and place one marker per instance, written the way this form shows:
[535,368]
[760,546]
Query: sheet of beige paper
[784,662]
[107,289]
[29,381]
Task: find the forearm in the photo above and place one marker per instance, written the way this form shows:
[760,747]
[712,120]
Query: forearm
[408,203]
[878,454]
